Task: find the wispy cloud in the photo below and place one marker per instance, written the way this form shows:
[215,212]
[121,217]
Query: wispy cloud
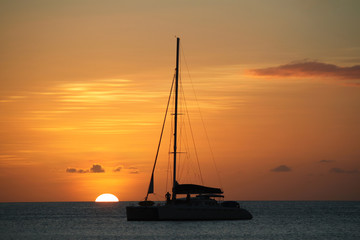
[102,92]
[281,168]
[326,161]
[11,99]
[309,69]
[103,106]
[13,160]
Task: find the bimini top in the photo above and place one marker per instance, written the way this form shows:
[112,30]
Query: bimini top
[195,189]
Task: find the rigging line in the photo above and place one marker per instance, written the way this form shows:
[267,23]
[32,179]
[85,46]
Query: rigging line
[186,161]
[171,135]
[180,162]
[169,167]
[162,131]
[167,171]
[184,106]
[192,136]
[202,119]
[193,176]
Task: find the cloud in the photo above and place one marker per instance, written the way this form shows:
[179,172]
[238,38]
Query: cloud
[74,170]
[71,170]
[133,170]
[326,161]
[339,170]
[309,69]
[118,169]
[94,169]
[281,168]
[129,170]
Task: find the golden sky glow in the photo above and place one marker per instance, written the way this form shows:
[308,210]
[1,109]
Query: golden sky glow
[83,88]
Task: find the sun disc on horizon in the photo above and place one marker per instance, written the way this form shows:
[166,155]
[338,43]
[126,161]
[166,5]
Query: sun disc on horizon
[107,197]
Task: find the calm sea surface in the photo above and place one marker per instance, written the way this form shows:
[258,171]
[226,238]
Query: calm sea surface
[88,220]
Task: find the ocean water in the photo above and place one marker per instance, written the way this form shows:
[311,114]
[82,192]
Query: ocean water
[272,220]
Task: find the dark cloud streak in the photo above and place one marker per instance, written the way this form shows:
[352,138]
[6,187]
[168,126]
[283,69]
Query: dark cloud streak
[281,168]
[309,69]
[326,161]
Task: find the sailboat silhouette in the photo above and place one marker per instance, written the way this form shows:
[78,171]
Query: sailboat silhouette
[200,202]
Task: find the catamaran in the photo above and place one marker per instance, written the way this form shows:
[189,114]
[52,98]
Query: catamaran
[200,202]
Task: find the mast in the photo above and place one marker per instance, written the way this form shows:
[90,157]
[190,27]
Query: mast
[176,114]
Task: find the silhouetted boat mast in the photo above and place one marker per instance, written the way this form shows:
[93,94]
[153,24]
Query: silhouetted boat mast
[176,115]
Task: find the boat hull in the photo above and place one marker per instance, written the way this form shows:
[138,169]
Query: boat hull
[185,213]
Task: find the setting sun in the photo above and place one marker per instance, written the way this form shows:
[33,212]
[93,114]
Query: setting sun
[107,197]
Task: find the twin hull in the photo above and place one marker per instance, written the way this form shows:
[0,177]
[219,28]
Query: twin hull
[178,213]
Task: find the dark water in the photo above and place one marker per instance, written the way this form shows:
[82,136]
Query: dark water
[88,220]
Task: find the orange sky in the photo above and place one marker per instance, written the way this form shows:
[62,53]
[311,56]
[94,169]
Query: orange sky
[84,86]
